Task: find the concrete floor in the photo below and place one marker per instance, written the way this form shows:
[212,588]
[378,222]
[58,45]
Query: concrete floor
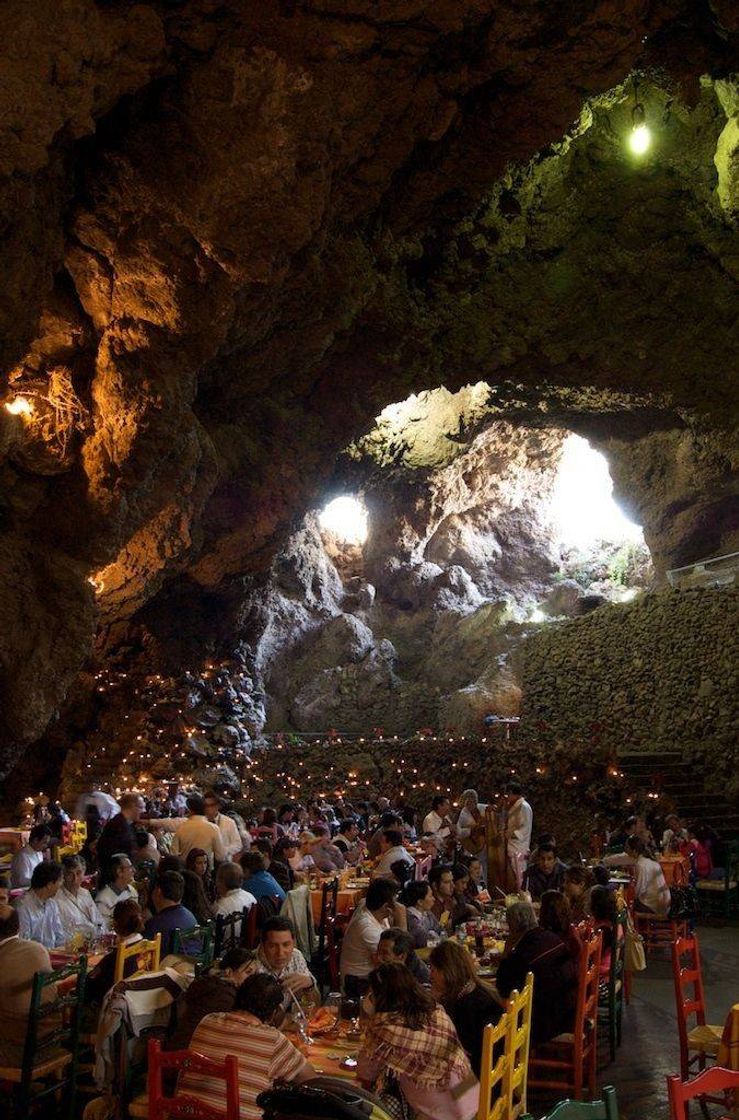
[650,1048]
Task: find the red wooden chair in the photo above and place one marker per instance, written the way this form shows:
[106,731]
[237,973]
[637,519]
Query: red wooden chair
[568,1061]
[710,1081]
[702,1039]
[181,1104]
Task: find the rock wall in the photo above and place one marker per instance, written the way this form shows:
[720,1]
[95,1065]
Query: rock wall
[661,673]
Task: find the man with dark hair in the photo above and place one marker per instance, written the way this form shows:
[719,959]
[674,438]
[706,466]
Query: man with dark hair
[38,913]
[546,873]
[169,913]
[348,842]
[258,880]
[280,958]
[19,963]
[362,936]
[198,832]
[29,856]
[391,851]
[438,820]
[77,909]
[396,946]
[387,820]
[326,856]
[250,1033]
[119,887]
[118,835]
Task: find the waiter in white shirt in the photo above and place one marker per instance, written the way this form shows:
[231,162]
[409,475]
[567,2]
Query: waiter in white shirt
[232,842]
[518,830]
[198,832]
[438,820]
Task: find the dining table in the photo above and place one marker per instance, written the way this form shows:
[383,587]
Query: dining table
[328,1052]
[347,897]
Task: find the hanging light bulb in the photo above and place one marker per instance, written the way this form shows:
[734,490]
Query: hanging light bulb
[640,138]
[19,406]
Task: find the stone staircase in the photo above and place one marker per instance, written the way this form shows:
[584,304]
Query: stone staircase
[668,772]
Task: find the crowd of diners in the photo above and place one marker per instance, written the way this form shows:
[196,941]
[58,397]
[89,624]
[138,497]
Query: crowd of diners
[173,861]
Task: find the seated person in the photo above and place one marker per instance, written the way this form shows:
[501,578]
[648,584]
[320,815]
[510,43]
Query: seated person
[348,842]
[576,886]
[128,923]
[326,856]
[120,887]
[418,899]
[397,945]
[231,898]
[388,819]
[465,908]
[195,899]
[280,868]
[214,990]
[409,1034]
[38,913]
[197,862]
[391,850]
[145,847]
[258,881]
[546,873]
[29,856]
[169,913]
[449,908]
[362,935]
[250,1032]
[605,914]
[279,956]
[477,890]
[19,962]
[674,834]
[77,908]
[556,916]
[651,893]
[469,1002]
[531,949]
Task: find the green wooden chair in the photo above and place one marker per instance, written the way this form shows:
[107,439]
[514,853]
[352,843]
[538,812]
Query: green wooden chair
[611,991]
[185,941]
[721,895]
[50,1052]
[605,1109]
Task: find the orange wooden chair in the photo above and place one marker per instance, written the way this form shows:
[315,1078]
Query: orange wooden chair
[702,1040]
[568,1061]
[710,1081]
[181,1104]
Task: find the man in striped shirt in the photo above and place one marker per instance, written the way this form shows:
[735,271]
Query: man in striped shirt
[250,1033]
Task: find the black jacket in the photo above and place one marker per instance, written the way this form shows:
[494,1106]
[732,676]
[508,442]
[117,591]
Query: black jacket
[555,981]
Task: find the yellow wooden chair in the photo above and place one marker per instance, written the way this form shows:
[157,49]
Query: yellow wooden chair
[147,955]
[517,1048]
[79,835]
[493,1071]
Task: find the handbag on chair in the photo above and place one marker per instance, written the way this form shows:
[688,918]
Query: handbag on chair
[635,958]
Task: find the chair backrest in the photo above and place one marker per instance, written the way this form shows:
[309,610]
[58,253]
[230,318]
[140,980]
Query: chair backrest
[604,1109]
[587,987]
[329,898]
[147,954]
[423,866]
[183,1105]
[250,928]
[687,976]
[66,987]
[79,832]
[618,949]
[493,1101]
[183,939]
[231,929]
[708,1082]
[675,871]
[518,1039]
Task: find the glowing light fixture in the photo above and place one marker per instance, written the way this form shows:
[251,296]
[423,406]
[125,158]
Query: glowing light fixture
[640,138]
[19,406]
[346,518]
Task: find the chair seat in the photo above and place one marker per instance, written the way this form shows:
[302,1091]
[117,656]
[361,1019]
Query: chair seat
[51,1065]
[715,885]
[706,1038]
[139,1106]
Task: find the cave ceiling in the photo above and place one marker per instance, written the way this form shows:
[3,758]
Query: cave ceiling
[234,232]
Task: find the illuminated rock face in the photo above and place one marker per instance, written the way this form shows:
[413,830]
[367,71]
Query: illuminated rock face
[243,229]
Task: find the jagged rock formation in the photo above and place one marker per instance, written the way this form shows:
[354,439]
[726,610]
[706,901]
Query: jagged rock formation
[234,232]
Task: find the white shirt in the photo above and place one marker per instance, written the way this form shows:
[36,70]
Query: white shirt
[198,832]
[78,913]
[466,822]
[384,868]
[106,805]
[22,865]
[432,822]
[106,899]
[236,899]
[650,885]
[230,836]
[360,943]
[519,826]
[39,920]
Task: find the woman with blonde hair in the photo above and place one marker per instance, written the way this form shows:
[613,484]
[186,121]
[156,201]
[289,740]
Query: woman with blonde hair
[470,1003]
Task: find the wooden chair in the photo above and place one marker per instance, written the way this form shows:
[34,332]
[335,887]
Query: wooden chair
[49,1064]
[329,902]
[675,871]
[703,1039]
[182,942]
[146,953]
[573,1055]
[611,991]
[182,1105]
[231,930]
[493,1103]
[710,1081]
[423,866]
[722,895]
[250,929]
[604,1109]
[518,1040]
